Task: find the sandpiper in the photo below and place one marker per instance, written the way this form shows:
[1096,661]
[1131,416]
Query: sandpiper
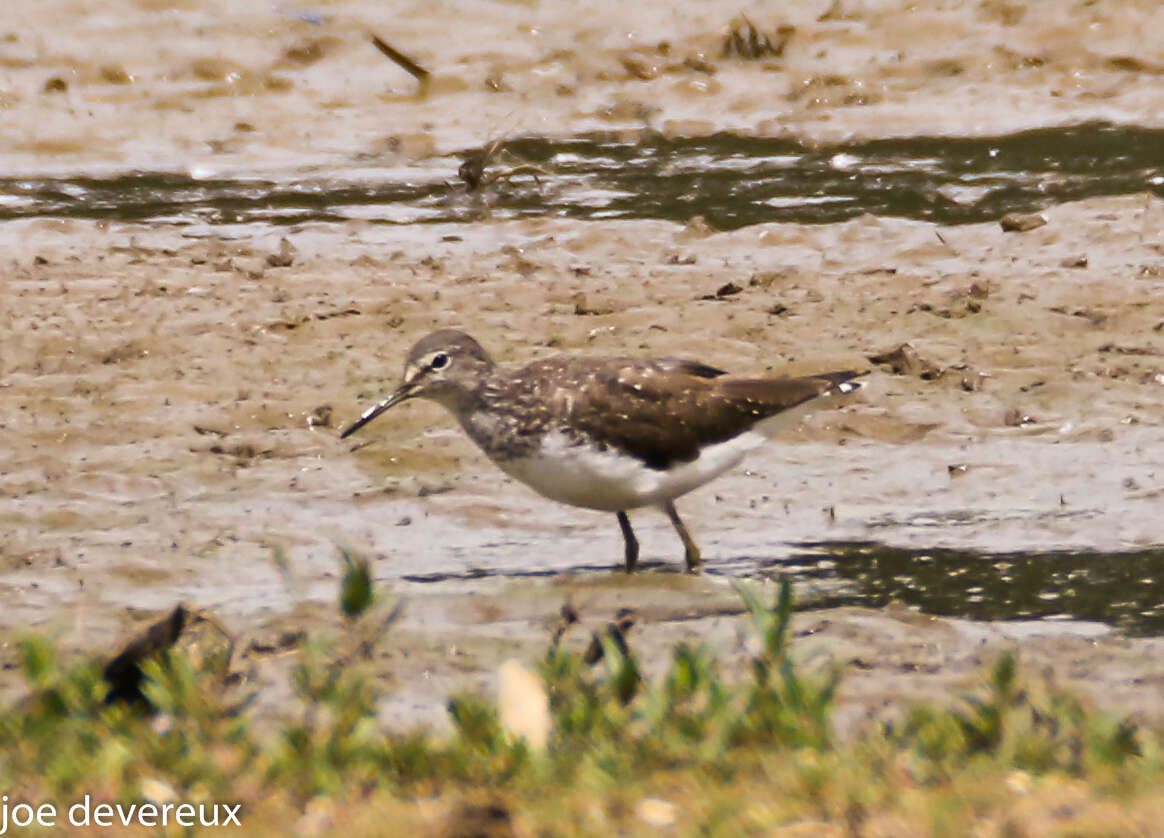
[613,434]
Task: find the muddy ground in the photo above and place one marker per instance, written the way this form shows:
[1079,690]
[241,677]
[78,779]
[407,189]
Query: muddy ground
[170,396]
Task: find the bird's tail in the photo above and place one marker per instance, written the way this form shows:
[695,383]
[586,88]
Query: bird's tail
[791,401]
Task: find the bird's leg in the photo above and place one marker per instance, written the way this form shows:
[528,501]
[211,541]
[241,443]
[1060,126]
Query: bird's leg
[690,547]
[632,543]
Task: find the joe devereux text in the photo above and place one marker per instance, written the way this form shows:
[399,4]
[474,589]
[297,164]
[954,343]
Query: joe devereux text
[87,813]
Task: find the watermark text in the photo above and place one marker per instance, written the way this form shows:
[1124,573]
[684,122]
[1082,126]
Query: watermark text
[86,812]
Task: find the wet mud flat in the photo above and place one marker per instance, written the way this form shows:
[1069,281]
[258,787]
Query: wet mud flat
[172,398]
[208,87]
[172,380]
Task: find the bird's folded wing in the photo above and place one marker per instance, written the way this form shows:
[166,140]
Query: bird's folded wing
[651,412]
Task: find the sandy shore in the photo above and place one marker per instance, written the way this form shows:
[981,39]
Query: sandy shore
[171,397]
[212,86]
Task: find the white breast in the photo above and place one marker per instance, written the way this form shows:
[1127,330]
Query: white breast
[583,475]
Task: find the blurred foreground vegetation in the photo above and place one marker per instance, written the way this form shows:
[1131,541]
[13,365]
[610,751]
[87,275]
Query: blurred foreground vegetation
[690,754]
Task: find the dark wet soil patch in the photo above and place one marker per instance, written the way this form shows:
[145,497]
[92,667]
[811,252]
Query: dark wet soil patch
[729,180]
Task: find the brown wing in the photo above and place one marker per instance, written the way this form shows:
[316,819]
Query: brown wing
[663,416]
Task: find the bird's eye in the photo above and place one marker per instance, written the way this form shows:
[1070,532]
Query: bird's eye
[439,361]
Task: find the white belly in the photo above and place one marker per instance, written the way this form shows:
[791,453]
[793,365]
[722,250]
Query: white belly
[582,475]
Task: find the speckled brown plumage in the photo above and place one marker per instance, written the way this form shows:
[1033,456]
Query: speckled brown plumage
[662,413]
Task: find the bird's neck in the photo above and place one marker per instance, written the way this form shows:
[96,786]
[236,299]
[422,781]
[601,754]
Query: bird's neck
[492,422]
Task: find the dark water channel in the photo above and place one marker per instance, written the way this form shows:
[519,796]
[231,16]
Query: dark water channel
[1125,590]
[730,180]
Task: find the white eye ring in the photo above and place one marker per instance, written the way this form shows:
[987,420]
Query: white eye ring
[439,361]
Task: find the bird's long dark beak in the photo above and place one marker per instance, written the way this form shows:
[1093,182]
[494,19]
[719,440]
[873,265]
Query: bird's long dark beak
[404,391]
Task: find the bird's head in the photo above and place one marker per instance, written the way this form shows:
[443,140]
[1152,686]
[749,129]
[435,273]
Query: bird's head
[446,366]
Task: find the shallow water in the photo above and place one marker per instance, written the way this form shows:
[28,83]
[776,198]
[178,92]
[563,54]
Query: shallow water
[730,180]
[1125,590]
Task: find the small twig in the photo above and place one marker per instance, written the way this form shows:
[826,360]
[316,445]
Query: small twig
[411,67]
[474,170]
[523,168]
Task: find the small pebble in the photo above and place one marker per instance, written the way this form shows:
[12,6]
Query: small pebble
[1018,222]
